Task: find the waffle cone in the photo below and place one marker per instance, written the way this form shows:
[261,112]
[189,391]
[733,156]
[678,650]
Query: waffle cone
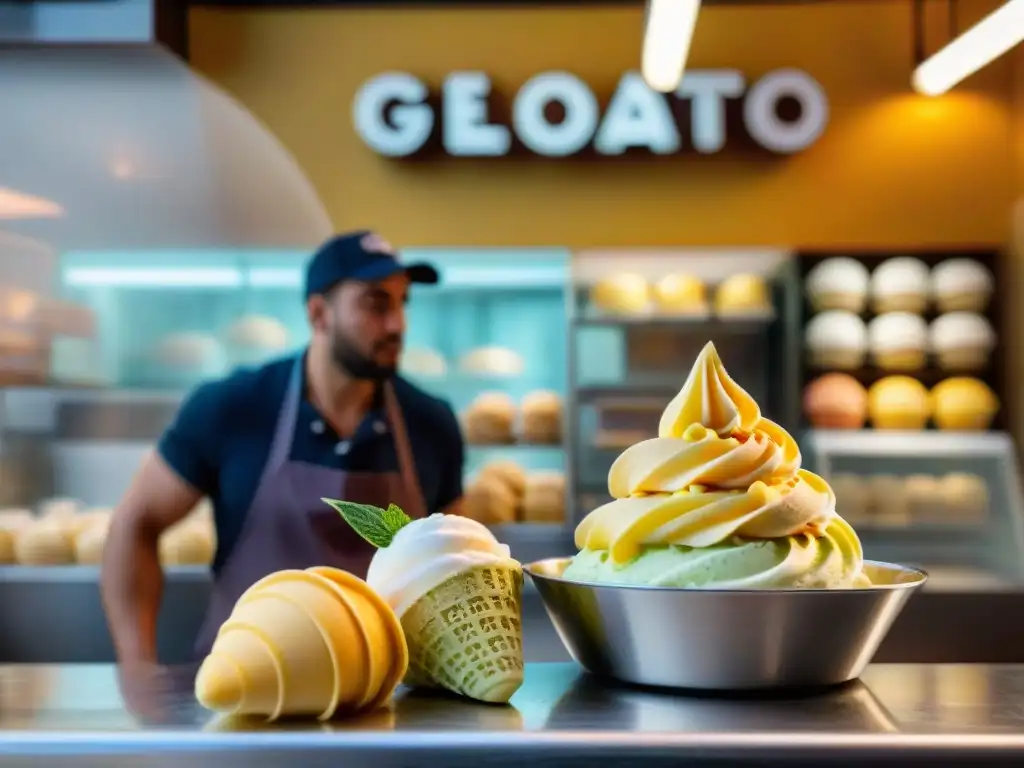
[465,635]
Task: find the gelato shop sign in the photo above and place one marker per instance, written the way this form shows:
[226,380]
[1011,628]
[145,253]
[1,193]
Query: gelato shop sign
[556,114]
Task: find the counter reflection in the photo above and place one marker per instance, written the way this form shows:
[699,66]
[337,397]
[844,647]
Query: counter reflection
[889,699]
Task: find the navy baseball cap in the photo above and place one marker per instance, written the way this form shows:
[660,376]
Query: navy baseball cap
[363,256]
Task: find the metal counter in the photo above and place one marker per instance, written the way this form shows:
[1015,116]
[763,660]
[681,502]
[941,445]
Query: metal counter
[54,615]
[897,715]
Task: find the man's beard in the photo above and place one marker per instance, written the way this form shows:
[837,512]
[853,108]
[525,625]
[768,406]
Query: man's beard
[355,363]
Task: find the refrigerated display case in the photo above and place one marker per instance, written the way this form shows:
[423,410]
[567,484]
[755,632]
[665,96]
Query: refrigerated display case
[493,328]
[905,412]
[950,503]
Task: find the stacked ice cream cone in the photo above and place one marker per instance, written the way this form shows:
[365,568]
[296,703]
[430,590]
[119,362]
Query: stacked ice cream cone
[316,643]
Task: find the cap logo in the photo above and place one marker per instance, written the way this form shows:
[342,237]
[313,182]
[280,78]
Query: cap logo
[374,243]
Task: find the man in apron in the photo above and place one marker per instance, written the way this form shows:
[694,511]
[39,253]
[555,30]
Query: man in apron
[266,444]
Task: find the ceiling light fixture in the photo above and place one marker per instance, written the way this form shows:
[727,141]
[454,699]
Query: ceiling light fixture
[667,37]
[986,41]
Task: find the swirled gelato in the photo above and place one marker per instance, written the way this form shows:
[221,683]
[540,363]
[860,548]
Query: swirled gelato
[717,500]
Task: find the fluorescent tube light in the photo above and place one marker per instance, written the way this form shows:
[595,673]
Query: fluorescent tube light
[526,276]
[667,37]
[275,277]
[153,278]
[986,41]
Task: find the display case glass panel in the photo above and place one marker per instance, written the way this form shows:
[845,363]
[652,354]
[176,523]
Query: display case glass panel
[491,303]
[947,502]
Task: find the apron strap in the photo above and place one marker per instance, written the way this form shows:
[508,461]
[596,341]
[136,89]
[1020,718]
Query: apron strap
[284,431]
[403,449]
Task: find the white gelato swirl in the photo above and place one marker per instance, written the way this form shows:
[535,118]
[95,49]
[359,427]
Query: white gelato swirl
[428,552]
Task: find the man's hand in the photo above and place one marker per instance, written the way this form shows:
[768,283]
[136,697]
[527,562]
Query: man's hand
[152,694]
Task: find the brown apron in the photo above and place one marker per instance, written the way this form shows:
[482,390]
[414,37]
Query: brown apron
[287,526]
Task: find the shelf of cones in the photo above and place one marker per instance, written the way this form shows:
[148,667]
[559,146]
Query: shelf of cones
[528,542]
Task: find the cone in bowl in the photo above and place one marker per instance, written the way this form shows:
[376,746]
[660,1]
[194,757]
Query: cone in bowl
[457,593]
[316,643]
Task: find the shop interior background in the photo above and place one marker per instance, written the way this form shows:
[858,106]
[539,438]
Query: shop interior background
[167,236]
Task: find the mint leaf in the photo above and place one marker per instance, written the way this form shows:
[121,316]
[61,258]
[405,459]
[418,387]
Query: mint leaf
[395,518]
[378,526]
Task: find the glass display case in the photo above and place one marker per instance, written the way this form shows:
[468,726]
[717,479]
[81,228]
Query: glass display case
[490,340]
[135,196]
[490,333]
[948,502]
[904,399]
[639,320]
[496,326]
[168,319]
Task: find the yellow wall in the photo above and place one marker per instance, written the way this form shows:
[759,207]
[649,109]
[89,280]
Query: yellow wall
[1018,93]
[892,170]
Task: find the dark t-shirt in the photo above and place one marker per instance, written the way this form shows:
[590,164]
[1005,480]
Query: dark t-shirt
[220,439]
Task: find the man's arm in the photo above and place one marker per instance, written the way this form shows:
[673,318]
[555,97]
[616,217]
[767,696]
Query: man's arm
[132,581]
[169,484]
[449,495]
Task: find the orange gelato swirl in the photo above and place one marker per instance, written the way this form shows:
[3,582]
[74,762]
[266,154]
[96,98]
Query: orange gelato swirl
[717,470]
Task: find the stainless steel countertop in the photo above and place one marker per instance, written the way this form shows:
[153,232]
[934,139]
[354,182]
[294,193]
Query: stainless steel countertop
[899,714]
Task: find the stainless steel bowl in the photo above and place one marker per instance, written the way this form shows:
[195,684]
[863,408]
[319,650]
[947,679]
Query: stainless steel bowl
[723,640]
